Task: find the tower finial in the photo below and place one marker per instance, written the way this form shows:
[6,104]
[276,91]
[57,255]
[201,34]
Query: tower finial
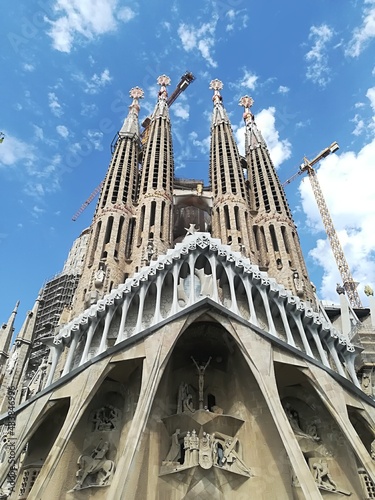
[130,126]
[135,93]
[216,85]
[246,102]
[163,81]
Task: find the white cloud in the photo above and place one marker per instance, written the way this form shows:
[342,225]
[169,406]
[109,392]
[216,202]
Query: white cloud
[39,134]
[247,82]
[126,14]
[95,137]
[371,96]
[28,67]
[363,34]
[351,202]
[283,90]
[63,131]
[89,110]
[13,151]
[54,104]
[201,38]
[203,145]
[95,83]
[279,149]
[37,211]
[317,59]
[85,19]
[181,110]
[359,125]
[363,124]
[237,19]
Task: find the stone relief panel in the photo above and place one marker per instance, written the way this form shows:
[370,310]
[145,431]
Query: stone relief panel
[322,471]
[101,429]
[106,418]
[94,468]
[202,437]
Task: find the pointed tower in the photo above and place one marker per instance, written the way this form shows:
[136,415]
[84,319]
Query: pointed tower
[275,234]
[18,356]
[154,232]
[109,250]
[6,333]
[230,212]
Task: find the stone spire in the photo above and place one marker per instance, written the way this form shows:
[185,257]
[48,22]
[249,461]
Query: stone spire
[231,219]
[6,333]
[131,123]
[154,232]
[275,234]
[18,356]
[108,256]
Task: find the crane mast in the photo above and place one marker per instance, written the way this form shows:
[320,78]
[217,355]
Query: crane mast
[349,284]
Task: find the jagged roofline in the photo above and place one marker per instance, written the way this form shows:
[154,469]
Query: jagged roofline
[290,307]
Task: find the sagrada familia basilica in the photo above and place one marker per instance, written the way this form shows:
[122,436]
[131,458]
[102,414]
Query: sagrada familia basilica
[189,356]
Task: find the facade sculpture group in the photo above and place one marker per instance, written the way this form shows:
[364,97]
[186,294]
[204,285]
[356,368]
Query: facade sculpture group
[95,468]
[189,448]
[319,466]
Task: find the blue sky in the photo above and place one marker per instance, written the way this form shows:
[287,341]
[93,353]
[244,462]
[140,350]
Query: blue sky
[67,67]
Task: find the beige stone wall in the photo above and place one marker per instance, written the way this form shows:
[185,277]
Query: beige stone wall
[251,382]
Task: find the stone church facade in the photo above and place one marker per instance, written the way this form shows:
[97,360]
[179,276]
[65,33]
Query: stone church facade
[196,361]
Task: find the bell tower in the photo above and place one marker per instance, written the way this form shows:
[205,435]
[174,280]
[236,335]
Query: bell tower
[231,219]
[109,250]
[154,213]
[274,232]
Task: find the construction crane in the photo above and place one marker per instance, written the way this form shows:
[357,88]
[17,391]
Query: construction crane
[349,284]
[88,201]
[186,79]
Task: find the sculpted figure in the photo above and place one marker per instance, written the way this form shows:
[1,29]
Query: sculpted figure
[105,418]
[206,451]
[185,399]
[187,458]
[293,417]
[227,454]
[36,383]
[201,368]
[95,468]
[312,431]
[174,453]
[194,448]
[322,476]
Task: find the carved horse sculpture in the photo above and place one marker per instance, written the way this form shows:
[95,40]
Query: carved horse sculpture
[96,463]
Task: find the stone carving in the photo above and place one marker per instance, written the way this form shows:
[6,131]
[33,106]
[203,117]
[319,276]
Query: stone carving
[105,419]
[323,477]
[211,450]
[185,399]
[194,449]
[37,380]
[174,453]
[293,417]
[95,469]
[201,368]
[373,450]
[12,361]
[226,454]
[366,383]
[206,451]
[206,283]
